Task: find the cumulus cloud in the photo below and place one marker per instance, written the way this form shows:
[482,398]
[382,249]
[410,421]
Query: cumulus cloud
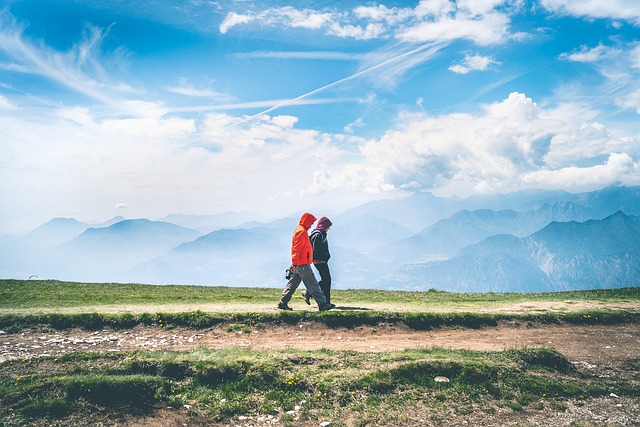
[618,168]
[511,145]
[472,63]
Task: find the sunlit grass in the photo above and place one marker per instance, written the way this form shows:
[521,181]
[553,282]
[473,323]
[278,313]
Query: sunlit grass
[43,294]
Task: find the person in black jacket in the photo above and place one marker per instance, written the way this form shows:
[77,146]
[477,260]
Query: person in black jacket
[321,257]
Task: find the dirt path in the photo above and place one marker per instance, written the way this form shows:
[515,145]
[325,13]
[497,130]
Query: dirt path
[595,347]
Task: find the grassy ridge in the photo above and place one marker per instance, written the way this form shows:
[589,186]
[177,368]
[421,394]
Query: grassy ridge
[420,310]
[20,294]
[317,385]
[199,319]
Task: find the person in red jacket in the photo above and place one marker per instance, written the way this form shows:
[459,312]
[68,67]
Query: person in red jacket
[301,259]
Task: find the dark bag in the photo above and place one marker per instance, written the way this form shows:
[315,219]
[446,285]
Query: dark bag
[288,273]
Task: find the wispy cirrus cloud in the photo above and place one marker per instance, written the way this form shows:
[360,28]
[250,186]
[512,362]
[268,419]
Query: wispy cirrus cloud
[393,65]
[322,55]
[80,69]
[591,54]
[189,89]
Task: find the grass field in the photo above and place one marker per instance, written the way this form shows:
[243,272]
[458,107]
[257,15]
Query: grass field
[411,387]
[48,295]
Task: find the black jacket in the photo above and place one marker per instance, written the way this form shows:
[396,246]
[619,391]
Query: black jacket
[320,246]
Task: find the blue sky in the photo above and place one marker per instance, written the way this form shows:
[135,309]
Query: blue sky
[153,107]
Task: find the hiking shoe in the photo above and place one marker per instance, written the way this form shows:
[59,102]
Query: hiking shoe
[307,297]
[327,307]
[283,306]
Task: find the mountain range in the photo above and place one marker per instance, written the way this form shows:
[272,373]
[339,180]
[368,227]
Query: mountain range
[529,241]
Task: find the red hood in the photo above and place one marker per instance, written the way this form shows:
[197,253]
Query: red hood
[307,220]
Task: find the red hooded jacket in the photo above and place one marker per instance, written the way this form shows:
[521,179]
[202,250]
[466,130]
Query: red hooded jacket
[301,250]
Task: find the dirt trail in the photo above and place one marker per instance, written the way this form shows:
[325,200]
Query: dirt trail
[595,347]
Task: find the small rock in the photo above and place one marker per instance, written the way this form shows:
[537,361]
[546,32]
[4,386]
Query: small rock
[325,424]
[614,395]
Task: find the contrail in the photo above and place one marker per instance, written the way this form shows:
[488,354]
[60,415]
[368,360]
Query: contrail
[434,46]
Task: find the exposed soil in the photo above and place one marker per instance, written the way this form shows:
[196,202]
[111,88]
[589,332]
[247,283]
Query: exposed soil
[598,350]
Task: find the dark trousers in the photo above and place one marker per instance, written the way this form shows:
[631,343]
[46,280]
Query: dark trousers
[325,279]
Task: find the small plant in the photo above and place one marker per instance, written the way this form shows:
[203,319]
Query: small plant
[243,329]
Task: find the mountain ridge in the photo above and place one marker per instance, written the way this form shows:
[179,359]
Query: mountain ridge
[539,241]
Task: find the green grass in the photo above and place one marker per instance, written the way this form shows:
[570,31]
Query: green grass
[243,321]
[323,384]
[34,294]
[23,304]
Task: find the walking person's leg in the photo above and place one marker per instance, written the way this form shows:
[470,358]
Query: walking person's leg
[289,290]
[325,279]
[310,282]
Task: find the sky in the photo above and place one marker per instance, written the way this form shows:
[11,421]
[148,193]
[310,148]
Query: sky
[157,107]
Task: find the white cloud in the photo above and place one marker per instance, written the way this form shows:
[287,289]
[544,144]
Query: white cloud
[81,69]
[634,56]
[472,63]
[486,29]
[618,168]
[5,104]
[233,19]
[358,123]
[483,22]
[586,54]
[381,13]
[512,145]
[630,100]
[186,88]
[287,16]
[615,9]
[357,32]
